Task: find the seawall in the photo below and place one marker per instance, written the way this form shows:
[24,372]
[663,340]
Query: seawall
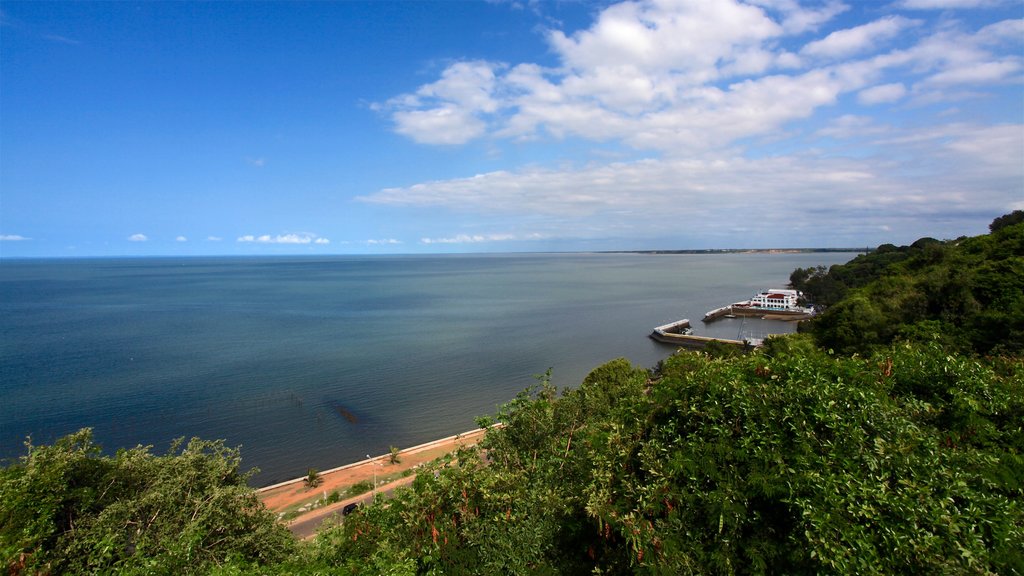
[692,341]
[672,334]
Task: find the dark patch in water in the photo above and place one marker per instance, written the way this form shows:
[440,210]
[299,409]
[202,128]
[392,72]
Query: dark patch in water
[346,414]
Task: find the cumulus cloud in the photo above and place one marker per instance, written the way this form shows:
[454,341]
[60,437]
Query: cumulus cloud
[686,76]
[181,239]
[699,89]
[138,238]
[214,238]
[383,242]
[440,125]
[12,238]
[446,111]
[303,238]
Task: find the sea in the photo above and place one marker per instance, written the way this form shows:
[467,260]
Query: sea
[315,362]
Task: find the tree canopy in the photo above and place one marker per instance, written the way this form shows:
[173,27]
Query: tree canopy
[969,292]
[789,460]
[68,509]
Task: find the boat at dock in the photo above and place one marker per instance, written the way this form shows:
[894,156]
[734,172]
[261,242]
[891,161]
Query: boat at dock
[773,304]
[679,327]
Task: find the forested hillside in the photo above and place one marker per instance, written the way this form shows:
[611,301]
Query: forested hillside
[968,291]
[886,439]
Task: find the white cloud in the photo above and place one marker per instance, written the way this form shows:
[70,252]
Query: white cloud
[858,39]
[691,36]
[964,169]
[384,242]
[976,73]
[1011,31]
[283,239]
[468,84]
[883,93]
[214,238]
[137,238]
[181,239]
[441,125]
[471,239]
[949,4]
[642,67]
[797,19]
[997,150]
[952,57]
[700,87]
[851,126]
[13,238]
[684,76]
[446,111]
[678,77]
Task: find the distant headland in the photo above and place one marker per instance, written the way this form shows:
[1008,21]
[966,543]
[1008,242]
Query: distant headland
[742,251]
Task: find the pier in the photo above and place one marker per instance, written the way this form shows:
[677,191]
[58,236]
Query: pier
[676,334]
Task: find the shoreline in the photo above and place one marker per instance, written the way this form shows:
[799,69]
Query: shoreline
[366,461]
[302,509]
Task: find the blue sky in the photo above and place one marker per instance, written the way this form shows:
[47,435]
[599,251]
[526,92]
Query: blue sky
[415,127]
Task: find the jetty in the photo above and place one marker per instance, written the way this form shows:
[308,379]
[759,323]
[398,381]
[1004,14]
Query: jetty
[680,334]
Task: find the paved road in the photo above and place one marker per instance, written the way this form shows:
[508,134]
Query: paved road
[307,525]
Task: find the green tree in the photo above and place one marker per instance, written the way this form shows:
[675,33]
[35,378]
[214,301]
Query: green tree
[973,287]
[313,478]
[788,459]
[68,509]
[1015,217]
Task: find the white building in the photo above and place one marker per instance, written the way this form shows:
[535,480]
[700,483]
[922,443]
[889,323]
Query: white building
[776,299]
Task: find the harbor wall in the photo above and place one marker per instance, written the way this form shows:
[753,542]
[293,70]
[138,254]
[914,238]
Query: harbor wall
[670,334]
[692,341]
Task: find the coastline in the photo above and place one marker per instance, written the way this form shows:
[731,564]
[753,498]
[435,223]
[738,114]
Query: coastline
[288,372]
[464,436]
[295,504]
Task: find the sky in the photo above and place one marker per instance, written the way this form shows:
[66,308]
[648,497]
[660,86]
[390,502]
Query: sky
[224,128]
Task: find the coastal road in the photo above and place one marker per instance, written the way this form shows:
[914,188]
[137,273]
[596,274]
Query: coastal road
[288,495]
[307,525]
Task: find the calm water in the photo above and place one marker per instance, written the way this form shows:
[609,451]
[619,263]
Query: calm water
[263,352]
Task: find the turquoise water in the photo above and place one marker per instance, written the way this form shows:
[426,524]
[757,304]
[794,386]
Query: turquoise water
[273,353]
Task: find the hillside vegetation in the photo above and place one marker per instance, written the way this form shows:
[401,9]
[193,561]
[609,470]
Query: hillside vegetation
[886,439]
[969,292]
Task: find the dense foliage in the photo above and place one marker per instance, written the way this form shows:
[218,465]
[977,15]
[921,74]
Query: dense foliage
[968,291]
[788,461]
[905,457]
[68,509]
